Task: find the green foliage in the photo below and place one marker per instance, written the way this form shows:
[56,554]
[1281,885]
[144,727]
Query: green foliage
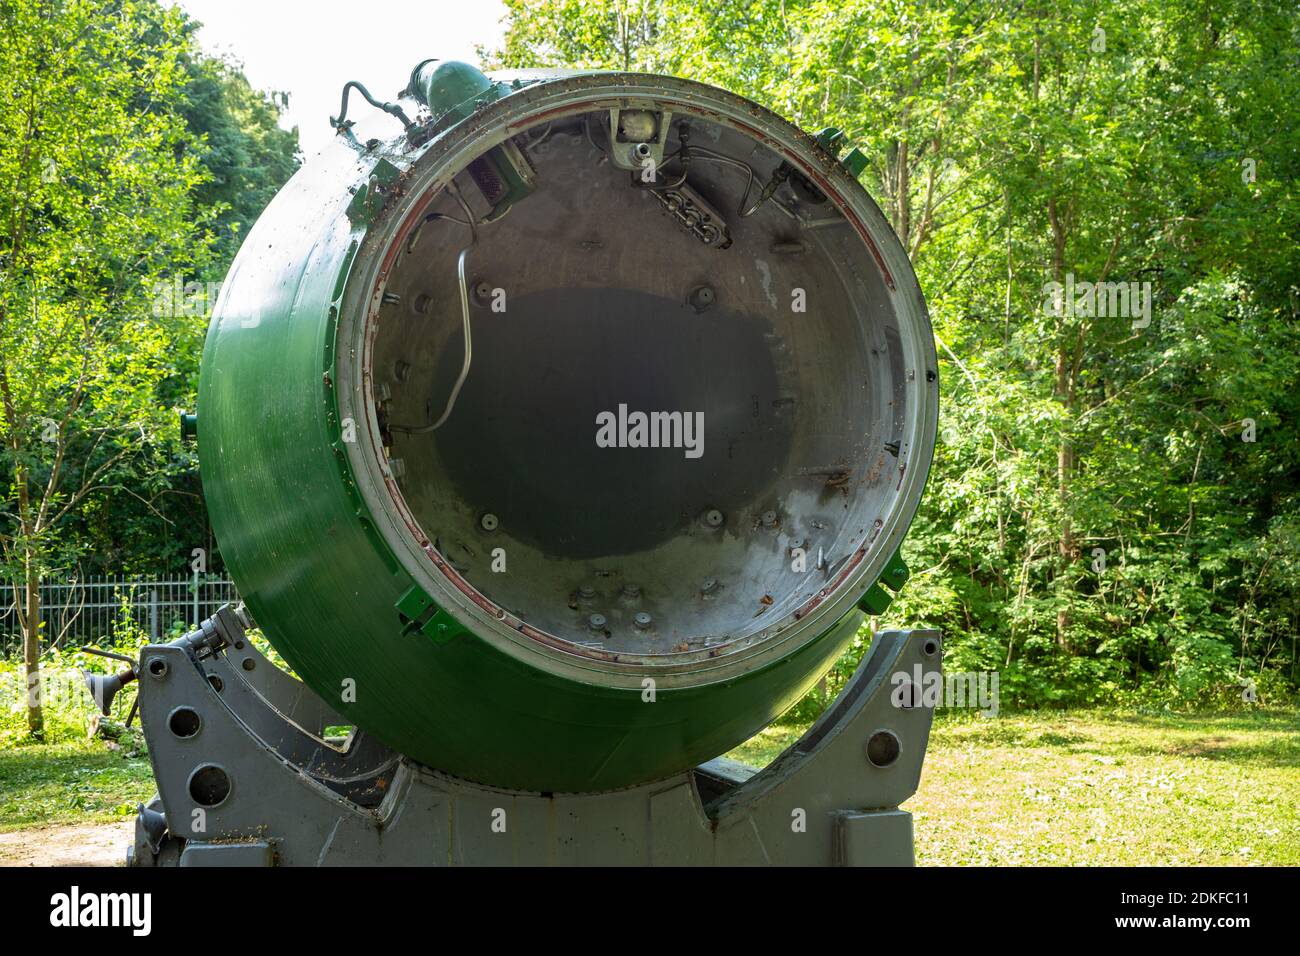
[239,143]
[131,166]
[1013,146]
[128,165]
[95,208]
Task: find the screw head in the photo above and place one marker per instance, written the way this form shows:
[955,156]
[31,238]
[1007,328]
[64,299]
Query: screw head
[489,522]
[713,518]
[596,622]
[643,620]
[702,297]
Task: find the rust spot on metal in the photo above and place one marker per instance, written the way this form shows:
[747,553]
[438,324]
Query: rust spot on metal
[840,578]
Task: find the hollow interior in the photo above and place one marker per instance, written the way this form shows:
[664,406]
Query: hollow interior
[678,423]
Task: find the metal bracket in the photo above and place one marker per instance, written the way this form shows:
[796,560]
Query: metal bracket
[637,138]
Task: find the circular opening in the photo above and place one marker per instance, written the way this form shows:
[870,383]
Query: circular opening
[209,785]
[930,647]
[882,748]
[157,667]
[217,683]
[247,664]
[184,722]
[671,383]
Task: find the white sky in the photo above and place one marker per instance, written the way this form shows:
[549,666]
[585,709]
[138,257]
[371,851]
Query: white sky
[310,48]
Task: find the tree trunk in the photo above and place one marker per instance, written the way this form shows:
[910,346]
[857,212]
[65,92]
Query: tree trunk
[1065,394]
[32,648]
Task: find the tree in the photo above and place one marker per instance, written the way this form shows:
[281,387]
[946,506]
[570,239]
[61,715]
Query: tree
[95,210]
[148,514]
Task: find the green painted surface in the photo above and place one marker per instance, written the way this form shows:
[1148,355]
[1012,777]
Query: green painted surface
[330,595]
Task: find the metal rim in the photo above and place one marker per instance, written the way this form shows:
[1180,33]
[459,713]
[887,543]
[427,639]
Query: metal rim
[432,165]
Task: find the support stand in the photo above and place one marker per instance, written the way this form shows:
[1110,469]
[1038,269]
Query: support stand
[247,775]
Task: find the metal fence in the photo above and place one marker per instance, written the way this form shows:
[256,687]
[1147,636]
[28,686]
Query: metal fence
[85,612]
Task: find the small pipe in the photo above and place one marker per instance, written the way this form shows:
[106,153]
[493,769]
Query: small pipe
[464,311]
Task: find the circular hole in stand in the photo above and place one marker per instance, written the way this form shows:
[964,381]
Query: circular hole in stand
[209,785]
[883,748]
[184,722]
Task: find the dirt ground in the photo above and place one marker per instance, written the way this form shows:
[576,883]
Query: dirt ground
[89,844]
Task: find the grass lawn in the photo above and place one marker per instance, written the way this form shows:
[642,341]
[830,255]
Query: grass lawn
[1102,788]
[70,782]
[1083,787]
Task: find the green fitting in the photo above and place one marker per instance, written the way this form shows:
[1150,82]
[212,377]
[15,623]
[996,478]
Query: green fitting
[447,86]
[896,572]
[418,614]
[830,138]
[855,161]
[189,426]
[894,576]
[876,600]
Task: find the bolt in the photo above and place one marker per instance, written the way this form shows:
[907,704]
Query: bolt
[713,518]
[483,290]
[709,586]
[631,590]
[489,522]
[769,519]
[391,298]
[596,622]
[643,620]
[701,298]
[587,591]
